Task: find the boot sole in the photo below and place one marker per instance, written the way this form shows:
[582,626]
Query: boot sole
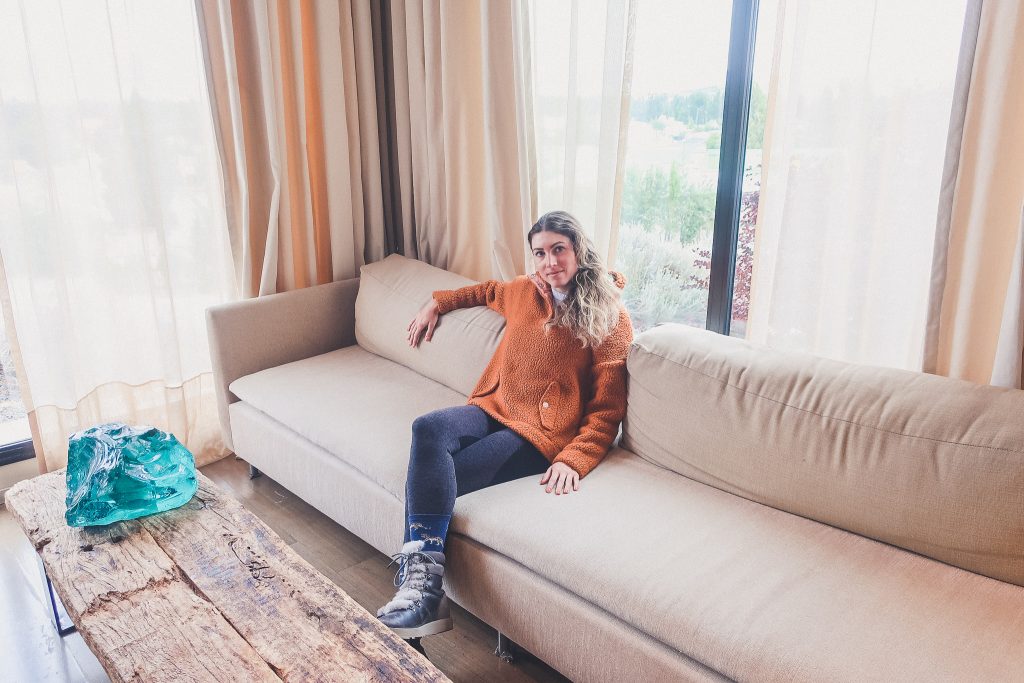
[433,628]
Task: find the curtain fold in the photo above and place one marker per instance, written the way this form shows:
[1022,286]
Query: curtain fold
[1008,365]
[113,241]
[294,90]
[461,174]
[858,116]
[977,294]
[352,129]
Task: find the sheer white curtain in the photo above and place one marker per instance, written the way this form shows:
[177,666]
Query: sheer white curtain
[581,53]
[858,116]
[113,234]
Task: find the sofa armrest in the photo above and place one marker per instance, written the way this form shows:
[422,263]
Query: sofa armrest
[256,334]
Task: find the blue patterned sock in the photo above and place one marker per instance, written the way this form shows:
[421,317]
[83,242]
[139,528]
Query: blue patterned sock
[431,529]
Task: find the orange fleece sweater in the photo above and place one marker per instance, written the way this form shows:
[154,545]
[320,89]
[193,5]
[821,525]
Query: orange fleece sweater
[542,384]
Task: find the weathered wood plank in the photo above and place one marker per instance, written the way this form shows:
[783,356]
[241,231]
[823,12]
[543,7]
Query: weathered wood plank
[302,624]
[128,600]
[161,597]
[167,633]
[88,566]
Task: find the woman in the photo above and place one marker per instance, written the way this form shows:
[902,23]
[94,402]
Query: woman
[550,400]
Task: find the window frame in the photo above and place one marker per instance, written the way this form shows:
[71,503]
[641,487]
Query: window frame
[16,452]
[739,79]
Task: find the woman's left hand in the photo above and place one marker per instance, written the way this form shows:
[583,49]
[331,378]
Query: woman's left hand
[563,479]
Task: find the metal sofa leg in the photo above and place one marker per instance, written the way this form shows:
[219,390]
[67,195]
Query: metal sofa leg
[253,472]
[505,649]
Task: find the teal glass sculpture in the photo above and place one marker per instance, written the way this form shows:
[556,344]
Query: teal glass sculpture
[120,472]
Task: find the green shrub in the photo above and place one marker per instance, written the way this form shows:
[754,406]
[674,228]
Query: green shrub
[659,274]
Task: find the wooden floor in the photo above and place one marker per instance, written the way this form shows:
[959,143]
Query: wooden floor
[30,649]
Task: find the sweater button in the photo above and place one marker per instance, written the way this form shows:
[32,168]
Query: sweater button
[545,404]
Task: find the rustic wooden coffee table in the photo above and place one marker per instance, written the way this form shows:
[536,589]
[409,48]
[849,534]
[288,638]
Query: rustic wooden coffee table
[206,592]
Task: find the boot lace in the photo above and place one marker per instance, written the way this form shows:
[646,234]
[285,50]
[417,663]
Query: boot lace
[410,579]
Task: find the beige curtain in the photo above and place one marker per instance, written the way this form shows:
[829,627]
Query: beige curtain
[113,239]
[976,318]
[461,166]
[294,96]
[350,129]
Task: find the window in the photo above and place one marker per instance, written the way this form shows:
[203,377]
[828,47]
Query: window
[689,192]
[15,437]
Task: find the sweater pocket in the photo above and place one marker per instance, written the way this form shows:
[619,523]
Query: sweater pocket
[483,388]
[550,403]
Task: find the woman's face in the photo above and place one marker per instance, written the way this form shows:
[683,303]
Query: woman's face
[554,258]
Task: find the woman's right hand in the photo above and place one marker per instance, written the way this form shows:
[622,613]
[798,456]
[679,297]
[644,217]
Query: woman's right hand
[425,321]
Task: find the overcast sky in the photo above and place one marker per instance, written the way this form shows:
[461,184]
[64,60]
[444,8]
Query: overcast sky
[683,45]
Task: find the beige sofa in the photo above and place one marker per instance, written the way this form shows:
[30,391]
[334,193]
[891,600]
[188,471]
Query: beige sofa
[768,516]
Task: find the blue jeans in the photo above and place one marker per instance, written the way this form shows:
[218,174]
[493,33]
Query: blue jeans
[459,450]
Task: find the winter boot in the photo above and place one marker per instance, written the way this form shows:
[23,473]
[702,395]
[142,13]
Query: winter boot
[420,607]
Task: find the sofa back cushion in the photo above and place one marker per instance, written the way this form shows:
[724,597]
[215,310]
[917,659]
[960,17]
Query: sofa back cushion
[927,463]
[392,291]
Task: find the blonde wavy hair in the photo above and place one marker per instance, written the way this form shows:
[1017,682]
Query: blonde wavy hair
[591,309]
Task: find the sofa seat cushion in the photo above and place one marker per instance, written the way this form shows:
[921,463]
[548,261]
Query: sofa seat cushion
[356,405]
[752,592]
